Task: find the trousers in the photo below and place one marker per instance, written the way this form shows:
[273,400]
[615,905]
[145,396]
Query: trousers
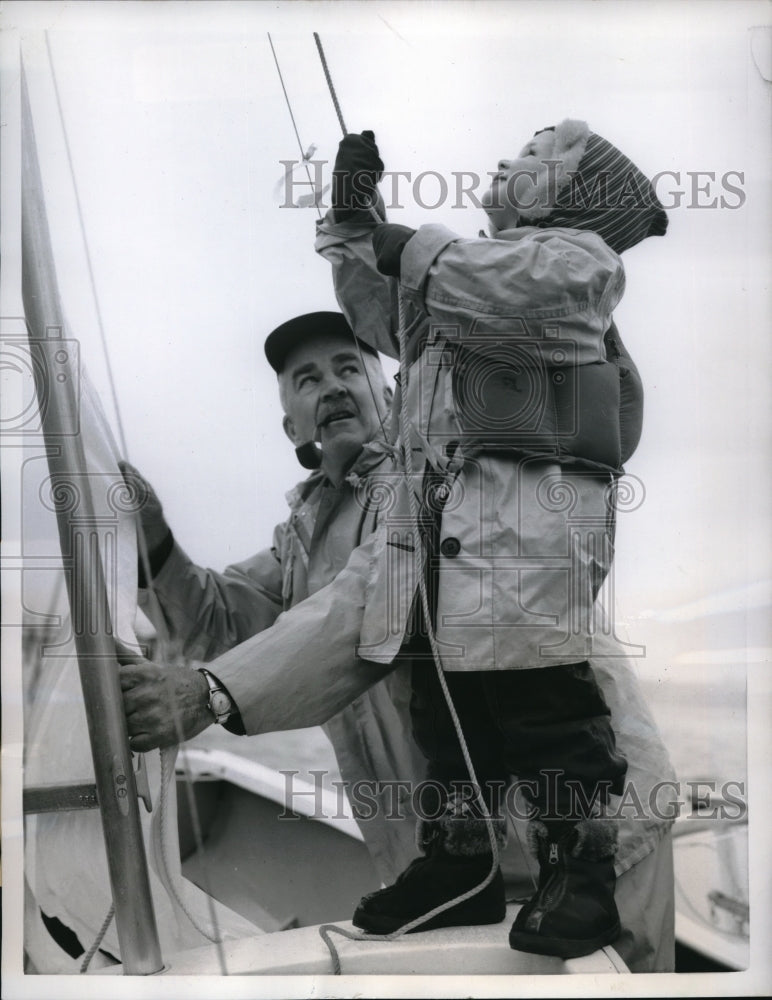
[550,727]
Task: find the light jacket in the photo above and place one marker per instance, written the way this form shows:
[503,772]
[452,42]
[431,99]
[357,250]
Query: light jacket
[207,613]
[527,535]
[299,672]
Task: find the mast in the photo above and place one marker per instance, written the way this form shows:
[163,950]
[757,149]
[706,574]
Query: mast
[54,359]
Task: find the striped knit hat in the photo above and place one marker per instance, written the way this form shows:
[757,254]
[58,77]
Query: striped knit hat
[604,192]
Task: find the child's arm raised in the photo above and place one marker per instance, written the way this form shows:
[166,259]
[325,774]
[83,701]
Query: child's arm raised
[567,280]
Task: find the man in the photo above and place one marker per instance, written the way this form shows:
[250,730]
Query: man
[279,687]
[336,399]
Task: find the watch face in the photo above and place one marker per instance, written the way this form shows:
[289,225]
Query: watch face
[220,704]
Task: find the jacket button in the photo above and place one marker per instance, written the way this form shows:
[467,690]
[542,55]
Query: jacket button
[450,547]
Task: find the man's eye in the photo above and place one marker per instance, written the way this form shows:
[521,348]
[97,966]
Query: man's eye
[351,369]
[306,380]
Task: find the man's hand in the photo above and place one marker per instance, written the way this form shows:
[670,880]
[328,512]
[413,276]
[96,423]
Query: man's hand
[149,506]
[389,241]
[163,705]
[358,168]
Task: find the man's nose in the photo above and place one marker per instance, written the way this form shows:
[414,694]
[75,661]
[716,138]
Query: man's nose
[332,386]
[504,164]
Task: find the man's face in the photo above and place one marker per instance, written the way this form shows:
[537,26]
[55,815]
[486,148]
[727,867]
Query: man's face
[522,183]
[327,397]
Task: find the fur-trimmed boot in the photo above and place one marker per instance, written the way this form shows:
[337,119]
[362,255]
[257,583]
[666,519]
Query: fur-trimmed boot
[456,857]
[573,912]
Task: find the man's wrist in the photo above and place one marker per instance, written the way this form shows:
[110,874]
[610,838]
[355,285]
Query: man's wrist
[234,723]
[218,700]
[200,701]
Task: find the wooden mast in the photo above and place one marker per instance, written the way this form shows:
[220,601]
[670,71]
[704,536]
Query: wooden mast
[53,359]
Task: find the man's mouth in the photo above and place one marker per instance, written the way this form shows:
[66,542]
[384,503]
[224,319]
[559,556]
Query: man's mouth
[342,413]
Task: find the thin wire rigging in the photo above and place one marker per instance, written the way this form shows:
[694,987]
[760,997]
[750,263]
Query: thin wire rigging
[294,124]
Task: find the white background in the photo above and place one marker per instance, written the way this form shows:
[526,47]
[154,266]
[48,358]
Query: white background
[177,124]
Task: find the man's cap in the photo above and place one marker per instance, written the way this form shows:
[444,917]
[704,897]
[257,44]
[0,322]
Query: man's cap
[311,326]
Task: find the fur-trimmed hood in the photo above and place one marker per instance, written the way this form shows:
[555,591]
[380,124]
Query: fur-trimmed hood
[590,184]
[569,141]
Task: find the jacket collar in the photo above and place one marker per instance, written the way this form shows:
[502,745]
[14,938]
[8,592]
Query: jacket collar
[372,455]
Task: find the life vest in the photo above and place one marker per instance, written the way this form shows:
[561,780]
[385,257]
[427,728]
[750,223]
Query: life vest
[587,415]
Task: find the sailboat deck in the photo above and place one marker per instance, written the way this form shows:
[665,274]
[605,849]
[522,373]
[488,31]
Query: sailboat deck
[450,951]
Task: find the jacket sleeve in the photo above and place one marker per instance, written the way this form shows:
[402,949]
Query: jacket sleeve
[568,278]
[367,298]
[207,613]
[305,668]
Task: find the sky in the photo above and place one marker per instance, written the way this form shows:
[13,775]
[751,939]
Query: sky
[177,130]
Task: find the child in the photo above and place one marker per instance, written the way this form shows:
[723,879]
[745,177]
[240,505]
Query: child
[523,407]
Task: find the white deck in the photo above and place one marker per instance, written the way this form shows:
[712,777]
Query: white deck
[451,951]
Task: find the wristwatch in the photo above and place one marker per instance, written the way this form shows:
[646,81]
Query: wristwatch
[220,704]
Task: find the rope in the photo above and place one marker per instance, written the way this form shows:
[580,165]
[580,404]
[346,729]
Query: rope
[162,632]
[97,941]
[327,76]
[326,929]
[414,517]
[172,883]
[167,772]
[339,113]
[308,173]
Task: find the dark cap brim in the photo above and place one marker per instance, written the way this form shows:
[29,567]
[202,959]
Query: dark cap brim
[280,343]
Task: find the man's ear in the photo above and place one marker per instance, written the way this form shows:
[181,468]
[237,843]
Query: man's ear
[289,429]
[388,396]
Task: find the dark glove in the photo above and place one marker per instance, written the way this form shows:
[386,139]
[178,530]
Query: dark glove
[388,242]
[158,535]
[358,168]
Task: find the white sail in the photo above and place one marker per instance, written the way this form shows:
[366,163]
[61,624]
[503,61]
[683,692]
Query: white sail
[68,875]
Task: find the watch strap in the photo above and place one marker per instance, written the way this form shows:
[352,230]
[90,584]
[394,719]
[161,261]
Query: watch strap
[220,703]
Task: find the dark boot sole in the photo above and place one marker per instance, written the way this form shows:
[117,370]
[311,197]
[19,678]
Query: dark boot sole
[385,912]
[454,917]
[534,944]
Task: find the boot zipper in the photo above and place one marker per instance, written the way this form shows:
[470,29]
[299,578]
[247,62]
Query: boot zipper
[555,886]
[549,896]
